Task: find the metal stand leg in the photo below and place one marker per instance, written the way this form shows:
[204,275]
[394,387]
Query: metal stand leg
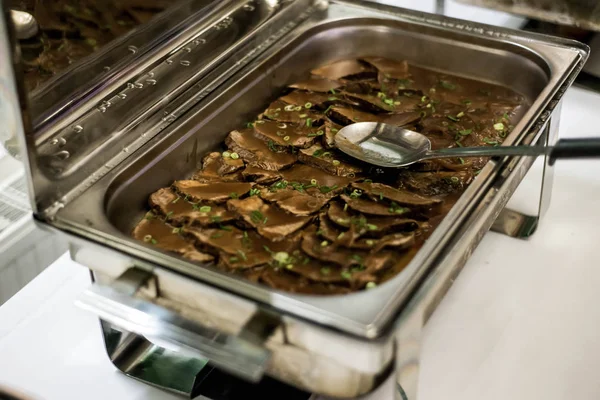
[138,358]
[522,225]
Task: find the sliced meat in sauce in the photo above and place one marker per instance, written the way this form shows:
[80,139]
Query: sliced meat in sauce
[284,112]
[301,99]
[160,234]
[270,221]
[280,206]
[280,134]
[294,202]
[179,211]
[217,192]
[327,160]
[379,191]
[321,85]
[344,69]
[371,226]
[216,169]
[256,152]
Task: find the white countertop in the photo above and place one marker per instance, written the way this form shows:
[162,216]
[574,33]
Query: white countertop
[520,322]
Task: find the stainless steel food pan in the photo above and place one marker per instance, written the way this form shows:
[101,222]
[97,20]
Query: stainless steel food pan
[338,345]
[109,210]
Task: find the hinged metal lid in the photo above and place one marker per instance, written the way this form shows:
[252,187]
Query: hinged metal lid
[81,123]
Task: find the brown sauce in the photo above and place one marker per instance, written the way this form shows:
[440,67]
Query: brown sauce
[282,207]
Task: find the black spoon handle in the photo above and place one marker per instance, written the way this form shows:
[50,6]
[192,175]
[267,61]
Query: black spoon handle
[575,148]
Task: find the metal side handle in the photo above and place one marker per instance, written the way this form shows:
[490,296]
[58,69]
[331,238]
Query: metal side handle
[243,355]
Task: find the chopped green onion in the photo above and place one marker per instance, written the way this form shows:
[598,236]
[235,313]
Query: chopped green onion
[215,218]
[176,200]
[176,230]
[460,114]
[371,285]
[488,141]
[281,257]
[205,209]
[286,138]
[243,255]
[346,275]
[324,243]
[234,156]
[381,95]
[233,195]
[271,146]
[466,101]
[458,143]
[332,98]
[356,194]
[289,107]
[335,162]
[341,235]
[303,115]
[423,99]
[499,126]
[462,160]
[281,125]
[466,132]
[249,125]
[254,192]
[356,257]
[298,108]
[308,105]
[289,266]
[345,207]
[308,122]
[320,132]
[325,271]
[397,103]
[372,227]
[313,181]
[389,102]
[226,154]
[233,259]
[256,216]
[332,91]
[450,117]
[147,238]
[370,242]
[447,85]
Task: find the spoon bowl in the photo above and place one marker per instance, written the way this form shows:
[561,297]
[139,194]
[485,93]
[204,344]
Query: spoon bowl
[391,146]
[382,144]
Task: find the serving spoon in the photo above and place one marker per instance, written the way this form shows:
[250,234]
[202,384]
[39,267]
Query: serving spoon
[390,146]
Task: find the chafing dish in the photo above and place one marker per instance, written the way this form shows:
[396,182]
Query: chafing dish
[95,151]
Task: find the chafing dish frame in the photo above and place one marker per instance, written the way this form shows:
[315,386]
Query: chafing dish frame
[111,258]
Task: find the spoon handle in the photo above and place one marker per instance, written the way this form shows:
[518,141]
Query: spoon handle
[564,148]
